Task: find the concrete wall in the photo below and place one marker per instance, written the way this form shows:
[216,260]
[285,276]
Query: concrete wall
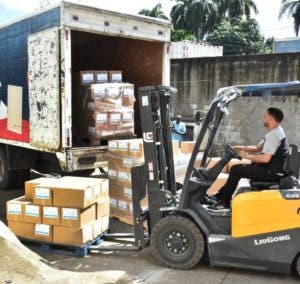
[198,80]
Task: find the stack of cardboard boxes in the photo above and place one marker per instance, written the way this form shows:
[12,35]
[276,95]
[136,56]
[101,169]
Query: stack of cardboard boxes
[123,155]
[68,211]
[181,160]
[104,106]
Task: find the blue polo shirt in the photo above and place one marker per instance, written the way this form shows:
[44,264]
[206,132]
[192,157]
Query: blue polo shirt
[180,130]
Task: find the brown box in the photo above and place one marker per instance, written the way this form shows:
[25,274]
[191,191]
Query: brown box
[123,148]
[102,208]
[115,76]
[237,162]
[73,236]
[32,213]
[76,218]
[136,148]
[15,209]
[22,229]
[187,147]
[101,76]
[176,149]
[43,233]
[219,182]
[114,117]
[30,185]
[100,226]
[43,194]
[86,77]
[128,97]
[51,215]
[124,130]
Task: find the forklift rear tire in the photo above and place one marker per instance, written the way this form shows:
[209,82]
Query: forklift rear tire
[176,242]
[297,265]
[4,173]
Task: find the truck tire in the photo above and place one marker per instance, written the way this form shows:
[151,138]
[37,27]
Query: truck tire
[297,265]
[176,242]
[3,170]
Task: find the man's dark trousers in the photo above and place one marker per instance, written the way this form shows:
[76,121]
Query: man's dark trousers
[253,172]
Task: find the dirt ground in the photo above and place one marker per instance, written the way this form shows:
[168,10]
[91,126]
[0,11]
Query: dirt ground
[138,267]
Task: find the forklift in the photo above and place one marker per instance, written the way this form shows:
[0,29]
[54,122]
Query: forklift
[260,231]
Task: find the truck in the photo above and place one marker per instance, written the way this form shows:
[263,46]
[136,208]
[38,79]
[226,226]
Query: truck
[39,56]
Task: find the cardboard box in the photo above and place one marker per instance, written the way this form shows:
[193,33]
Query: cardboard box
[77,218]
[30,185]
[187,147]
[102,208]
[101,77]
[237,162]
[123,148]
[128,97]
[32,213]
[86,77]
[115,76]
[22,229]
[100,226]
[219,182]
[73,236]
[136,149]
[51,215]
[15,209]
[43,194]
[43,233]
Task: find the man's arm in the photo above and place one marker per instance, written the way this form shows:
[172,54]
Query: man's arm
[249,149]
[258,159]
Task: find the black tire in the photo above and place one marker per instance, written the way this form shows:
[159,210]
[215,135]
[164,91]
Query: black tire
[176,242]
[4,173]
[297,265]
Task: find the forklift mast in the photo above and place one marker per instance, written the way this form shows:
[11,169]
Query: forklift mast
[156,123]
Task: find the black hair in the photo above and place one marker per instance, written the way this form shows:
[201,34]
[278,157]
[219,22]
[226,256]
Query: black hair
[276,113]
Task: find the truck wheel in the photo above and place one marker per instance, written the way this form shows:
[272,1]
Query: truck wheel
[297,265]
[3,170]
[176,242]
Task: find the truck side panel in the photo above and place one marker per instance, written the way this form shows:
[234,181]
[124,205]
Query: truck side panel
[14,68]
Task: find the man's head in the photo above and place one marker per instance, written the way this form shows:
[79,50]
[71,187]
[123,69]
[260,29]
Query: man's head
[272,117]
[178,118]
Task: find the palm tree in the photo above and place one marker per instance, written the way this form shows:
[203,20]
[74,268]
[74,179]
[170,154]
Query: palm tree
[291,8]
[155,12]
[236,8]
[197,17]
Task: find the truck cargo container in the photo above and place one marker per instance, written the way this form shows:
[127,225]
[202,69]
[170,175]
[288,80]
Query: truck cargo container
[39,55]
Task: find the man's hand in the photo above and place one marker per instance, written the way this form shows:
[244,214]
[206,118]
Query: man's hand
[244,154]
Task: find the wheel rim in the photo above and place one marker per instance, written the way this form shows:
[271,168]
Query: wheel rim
[177,245]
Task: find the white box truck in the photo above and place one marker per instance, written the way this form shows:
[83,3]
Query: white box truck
[39,55]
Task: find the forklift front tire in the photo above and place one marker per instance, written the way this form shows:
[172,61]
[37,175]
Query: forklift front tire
[176,242]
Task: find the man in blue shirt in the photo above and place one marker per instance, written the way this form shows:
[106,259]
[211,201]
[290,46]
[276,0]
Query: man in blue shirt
[179,129]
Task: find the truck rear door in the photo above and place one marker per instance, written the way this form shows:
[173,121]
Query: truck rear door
[43,83]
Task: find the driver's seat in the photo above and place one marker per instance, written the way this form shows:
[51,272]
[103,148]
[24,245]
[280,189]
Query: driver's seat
[290,167]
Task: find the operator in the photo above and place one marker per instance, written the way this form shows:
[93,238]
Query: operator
[267,159]
[179,129]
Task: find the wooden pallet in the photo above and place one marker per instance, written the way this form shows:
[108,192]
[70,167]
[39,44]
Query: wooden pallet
[81,251]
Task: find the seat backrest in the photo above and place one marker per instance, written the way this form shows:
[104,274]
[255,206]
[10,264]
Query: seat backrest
[292,163]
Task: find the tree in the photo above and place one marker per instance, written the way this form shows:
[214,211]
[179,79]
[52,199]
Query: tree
[155,12]
[236,8]
[197,17]
[291,8]
[180,35]
[240,37]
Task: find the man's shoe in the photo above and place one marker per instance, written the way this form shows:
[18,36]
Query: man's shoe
[221,206]
[209,200]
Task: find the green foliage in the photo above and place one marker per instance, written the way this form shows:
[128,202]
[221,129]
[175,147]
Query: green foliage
[240,37]
[291,9]
[155,12]
[180,35]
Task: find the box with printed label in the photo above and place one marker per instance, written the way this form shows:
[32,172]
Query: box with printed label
[102,208]
[76,218]
[43,233]
[85,78]
[73,236]
[115,76]
[42,194]
[101,76]
[15,209]
[31,184]
[22,229]
[128,97]
[136,148]
[51,215]
[32,213]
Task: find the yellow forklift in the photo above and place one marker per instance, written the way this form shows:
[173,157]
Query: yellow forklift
[261,231]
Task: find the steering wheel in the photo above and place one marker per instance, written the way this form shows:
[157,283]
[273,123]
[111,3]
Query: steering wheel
[234,153]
